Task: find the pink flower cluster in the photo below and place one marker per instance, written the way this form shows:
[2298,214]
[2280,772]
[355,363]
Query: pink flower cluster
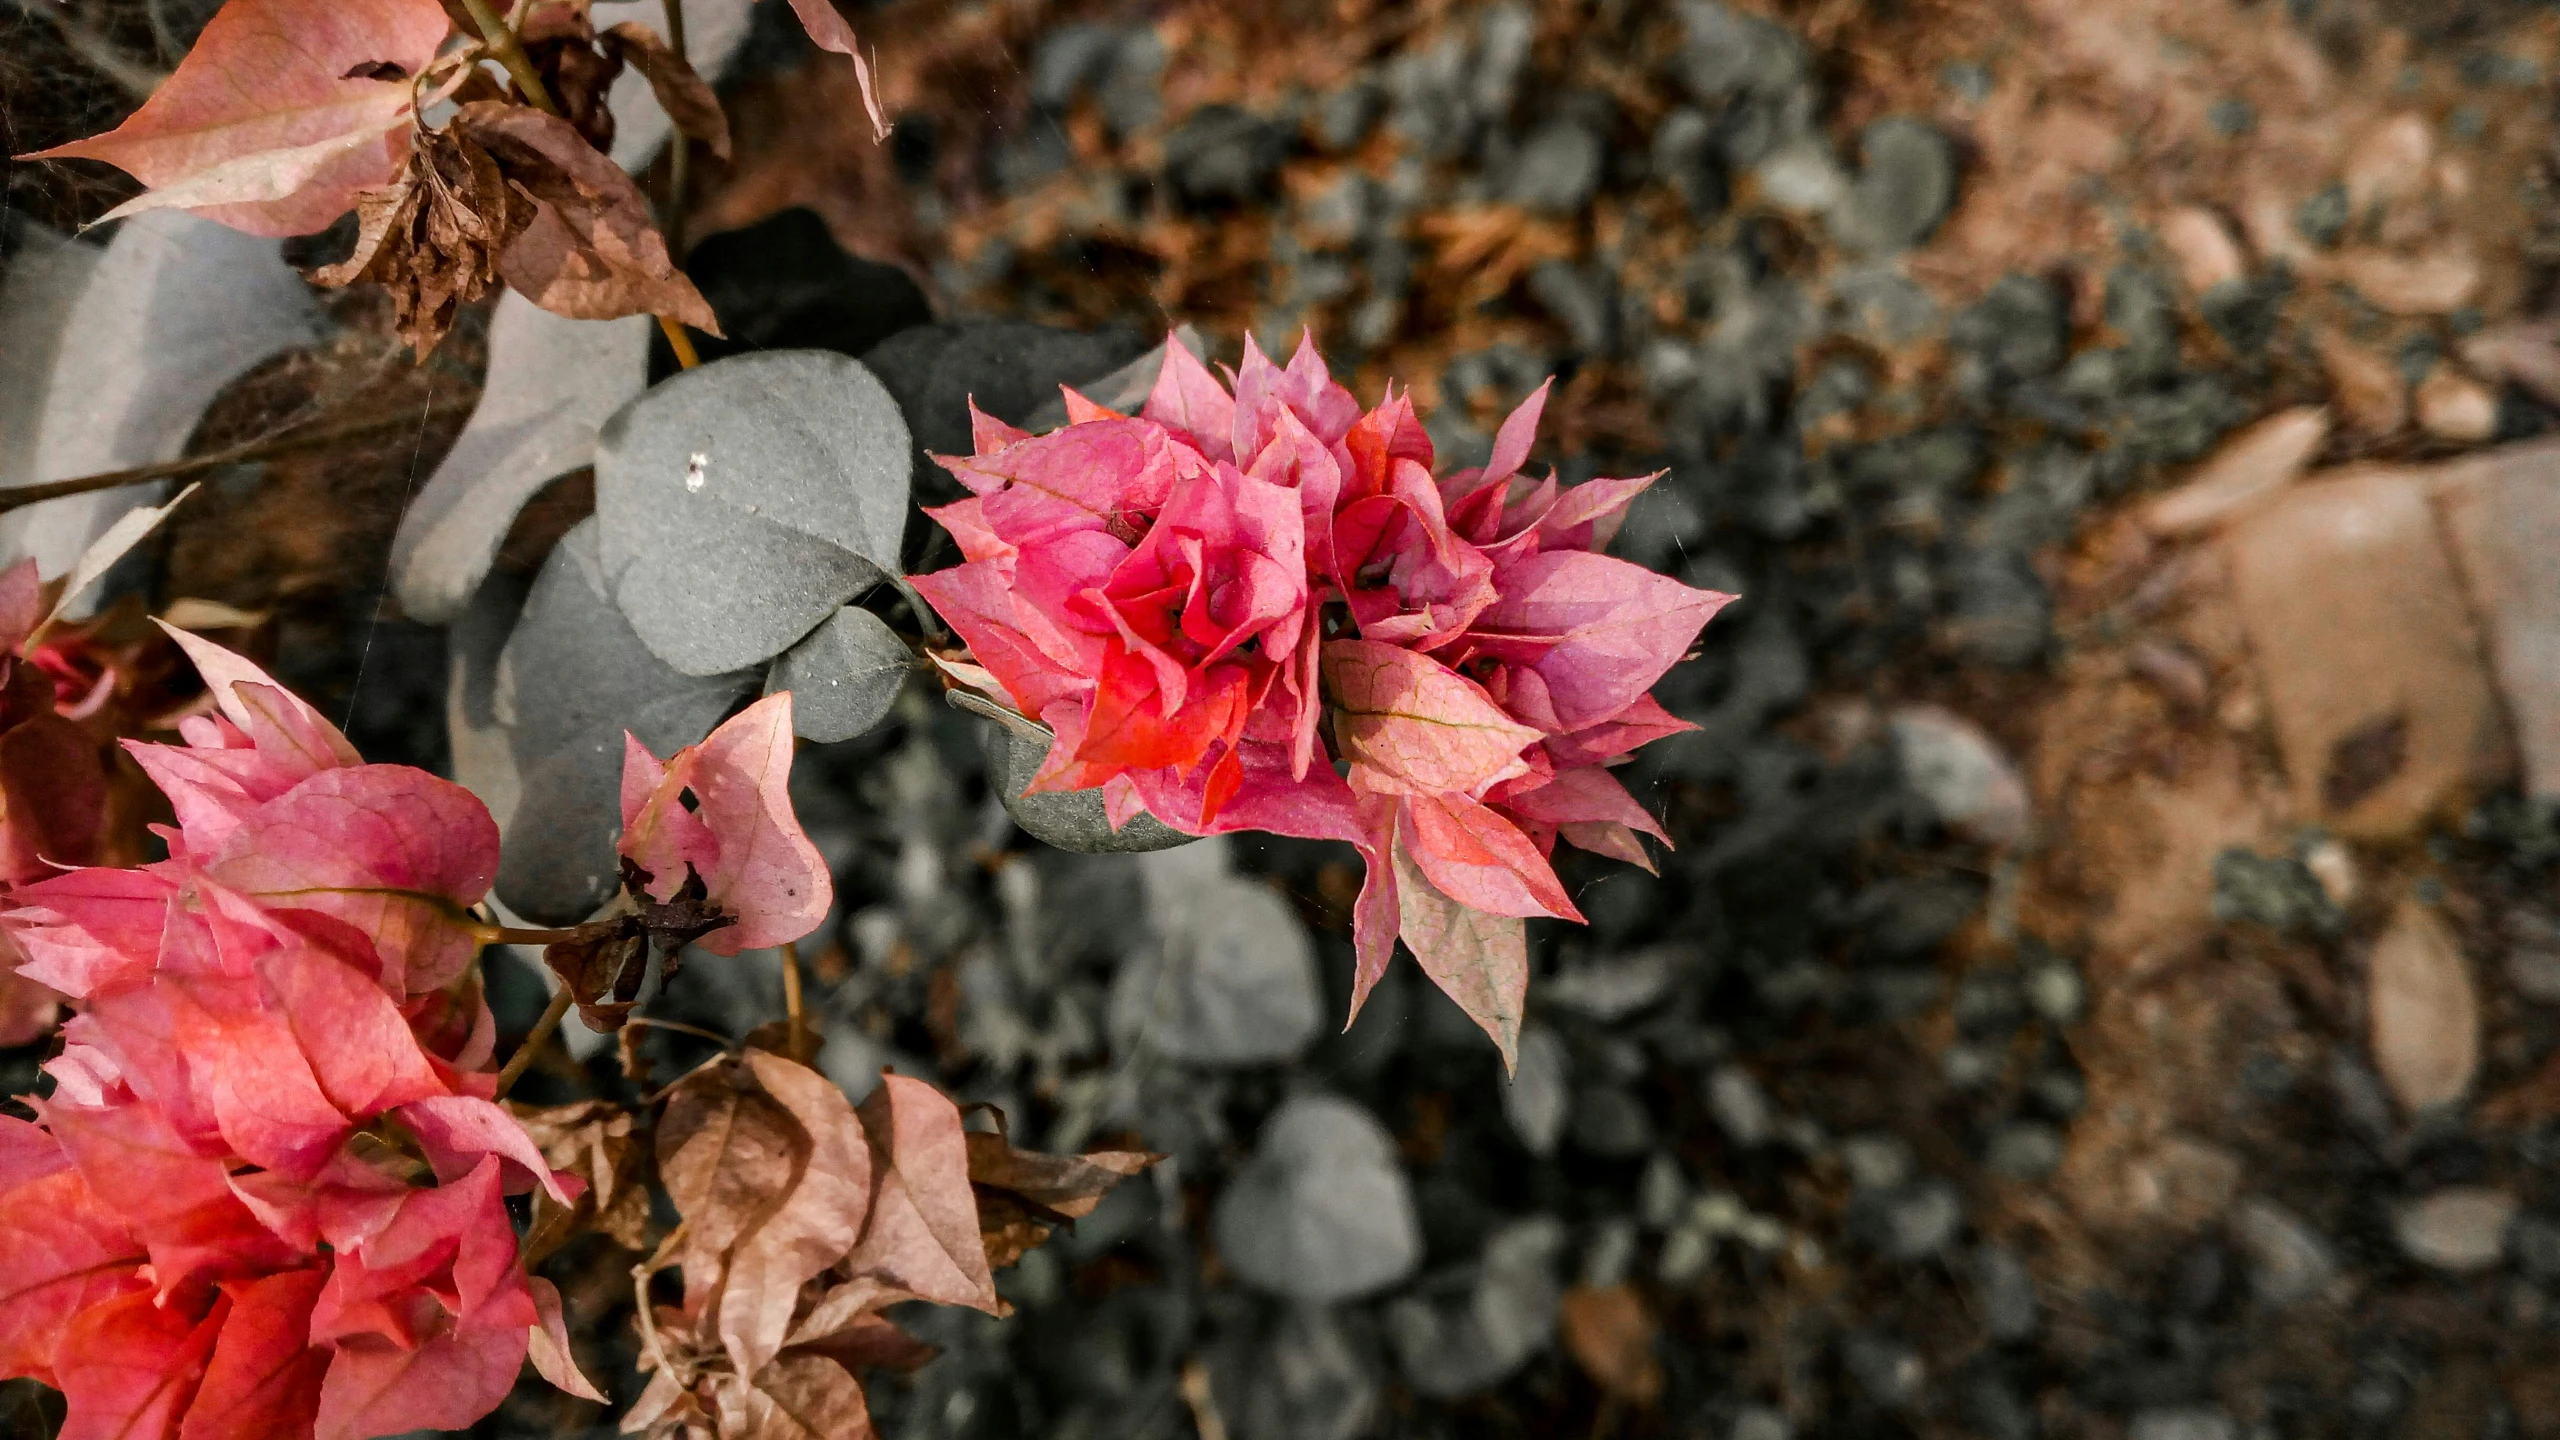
[1258,609]
[266,1194]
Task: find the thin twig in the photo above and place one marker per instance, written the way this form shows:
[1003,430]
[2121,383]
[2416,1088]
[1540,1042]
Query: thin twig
[533,1043]
[255,450]
[650,1022]
[791,1002]
[679,159]
[679,341]
[509,50]
[510,935]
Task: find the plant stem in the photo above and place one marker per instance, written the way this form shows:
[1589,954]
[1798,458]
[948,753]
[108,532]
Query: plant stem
[533,1043]
[679,159]
[679,341]
[285,444]
[509,935]
[791,1002]
[509,50]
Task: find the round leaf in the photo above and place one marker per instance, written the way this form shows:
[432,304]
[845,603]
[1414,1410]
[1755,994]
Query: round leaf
[844,677]
[1069,819]
[741,503]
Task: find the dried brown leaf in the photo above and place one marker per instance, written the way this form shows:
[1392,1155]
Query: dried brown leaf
[593,1140]
[1610,1334]
[729,1155]
[1070,1185]
[685,96]
[845,1324]
[923,1231]
[603,968]
[560,40]
[591,252]
[433,236]
[799,1397]
[814,1226]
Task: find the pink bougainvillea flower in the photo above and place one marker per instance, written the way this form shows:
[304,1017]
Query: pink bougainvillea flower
[721,812]
[1468,658]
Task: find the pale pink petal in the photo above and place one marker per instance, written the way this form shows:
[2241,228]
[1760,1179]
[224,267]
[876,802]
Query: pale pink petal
[552,1358]
[1480,961]
[1410,725]
[1604,630]
[1189,400]
[375,1387]
[767,874]
[1477,858]
[1519,432]
[458,1132]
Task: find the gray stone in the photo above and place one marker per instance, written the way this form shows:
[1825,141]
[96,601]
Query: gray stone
[741,503]
[1876,1161]
[1915,1221]
[2537,1243]
[2025,1151]
[1728,51]
[1067,60]
[1008,368]
[1222,155]
[1610,1122]
[1133,88]
[2055,991]
[1233,978]
[1539,1094]
[1556,169]
[1614,988]
[2005,1294]
[2288,1260]
[1503,40]
[1884,1366]
[2017,331]
[1740,1106]
[1343,118]
[1322,1212]
[572,679]
[1611,1254]
[1760,1422]
[1905,186]
[1956,770]
[1069,819]
[1306,1381]
[843,676]
[2200,1422]
[1465,1331]
[2461,1228]
[1578,301]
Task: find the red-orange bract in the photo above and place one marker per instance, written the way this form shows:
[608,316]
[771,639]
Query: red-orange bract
[265,1197]
[1191,598]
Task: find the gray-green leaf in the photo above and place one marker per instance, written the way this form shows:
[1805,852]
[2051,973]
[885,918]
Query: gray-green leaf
[843,677]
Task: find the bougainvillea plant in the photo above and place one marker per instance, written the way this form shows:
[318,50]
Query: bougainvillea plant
[267,1192]
[287,114]
[1257,609]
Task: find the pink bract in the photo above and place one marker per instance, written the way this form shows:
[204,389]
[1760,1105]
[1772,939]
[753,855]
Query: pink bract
[1256,608]
[739,834]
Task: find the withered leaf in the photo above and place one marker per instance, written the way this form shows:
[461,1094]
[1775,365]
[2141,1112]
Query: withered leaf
[1069,1185]
[686,97]
[799,1397]
[603,966]
[815,1224]
[728,1155]
[560,40]
[923,1230]
[593,1140]
[591,252]
[432,237]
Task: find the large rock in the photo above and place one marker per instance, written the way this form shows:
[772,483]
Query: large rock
[1232,980]
[1470,1328]
[2371,665]
[1322,1212]
[2502,510]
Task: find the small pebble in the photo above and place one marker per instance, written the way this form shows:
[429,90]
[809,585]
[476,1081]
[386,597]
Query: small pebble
[2461,1228]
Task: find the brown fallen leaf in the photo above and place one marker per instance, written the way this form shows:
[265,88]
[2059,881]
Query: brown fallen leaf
[685,96]
[560,40]
[1070,1185]
[814,1225]
[432,237]
[923,1232]
[603,966]
[593,1140]
[1610,1333]
[591,251]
